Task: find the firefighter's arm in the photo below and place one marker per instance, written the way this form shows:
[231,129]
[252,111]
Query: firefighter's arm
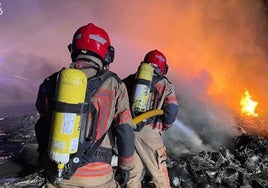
[123,126]
[169,116]
[170,108]
[41,103]
[125,145]
[124,136]
[123,129]
[45,94]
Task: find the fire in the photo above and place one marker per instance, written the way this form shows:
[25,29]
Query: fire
[247,105]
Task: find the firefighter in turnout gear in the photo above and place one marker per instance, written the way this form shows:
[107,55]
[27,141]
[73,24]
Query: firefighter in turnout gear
[150,150]
[105,118]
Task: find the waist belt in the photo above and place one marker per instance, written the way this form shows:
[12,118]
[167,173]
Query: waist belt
[101,155]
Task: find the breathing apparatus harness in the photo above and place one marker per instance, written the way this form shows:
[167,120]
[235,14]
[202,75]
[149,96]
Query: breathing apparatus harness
[88,150]
[139,126]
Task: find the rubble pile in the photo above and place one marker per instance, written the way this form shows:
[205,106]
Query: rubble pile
[243,164]
[246,165]
[17,135]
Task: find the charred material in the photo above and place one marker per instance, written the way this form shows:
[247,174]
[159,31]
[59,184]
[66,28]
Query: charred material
[246,166]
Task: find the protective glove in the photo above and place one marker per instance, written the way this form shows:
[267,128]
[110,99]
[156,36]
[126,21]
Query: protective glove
[143,123]
[121,176]
[140,126]
[165,126]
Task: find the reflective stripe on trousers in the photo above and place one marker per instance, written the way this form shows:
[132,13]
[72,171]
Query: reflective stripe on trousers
[101,177]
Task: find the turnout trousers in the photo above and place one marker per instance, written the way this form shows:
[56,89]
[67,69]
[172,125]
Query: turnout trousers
[78,182]
[150,154]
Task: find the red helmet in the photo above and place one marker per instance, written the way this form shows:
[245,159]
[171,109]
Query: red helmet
[93,40]
[157,59]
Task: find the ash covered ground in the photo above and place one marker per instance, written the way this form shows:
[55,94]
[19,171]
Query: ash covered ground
[244,163]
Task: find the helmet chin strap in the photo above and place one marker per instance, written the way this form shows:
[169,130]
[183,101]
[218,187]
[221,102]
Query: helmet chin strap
[157,70]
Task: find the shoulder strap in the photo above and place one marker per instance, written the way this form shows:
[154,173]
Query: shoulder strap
[93,85]
[95,82]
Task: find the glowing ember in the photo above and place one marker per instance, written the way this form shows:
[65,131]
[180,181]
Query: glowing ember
[247,105]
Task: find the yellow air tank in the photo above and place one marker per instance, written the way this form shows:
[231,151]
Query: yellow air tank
[142,89]
[65,130]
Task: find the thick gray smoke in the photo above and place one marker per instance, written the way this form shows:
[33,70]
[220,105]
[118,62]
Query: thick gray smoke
[215,50]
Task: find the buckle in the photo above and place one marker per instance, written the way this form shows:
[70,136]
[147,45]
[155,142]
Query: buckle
[98,154]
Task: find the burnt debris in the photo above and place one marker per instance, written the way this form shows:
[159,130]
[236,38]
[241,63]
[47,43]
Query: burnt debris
[244,164]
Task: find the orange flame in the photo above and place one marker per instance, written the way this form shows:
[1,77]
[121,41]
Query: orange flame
[247,105]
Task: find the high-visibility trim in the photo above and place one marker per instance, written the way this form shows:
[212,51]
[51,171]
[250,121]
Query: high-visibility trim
[95,170]
[104,97]
[160,87]
[172,99]
[165,172]
[123,117]
[125,160]
[105,93]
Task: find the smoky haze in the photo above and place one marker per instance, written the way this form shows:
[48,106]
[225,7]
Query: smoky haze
[215,51]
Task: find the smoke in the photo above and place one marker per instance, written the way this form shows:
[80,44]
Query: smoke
[20,77]
[182,140]
[215,50]
[236,37]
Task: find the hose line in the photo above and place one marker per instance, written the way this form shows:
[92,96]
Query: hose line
[146,115]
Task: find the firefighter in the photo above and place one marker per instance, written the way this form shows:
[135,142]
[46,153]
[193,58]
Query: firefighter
[92,53]
[150,150]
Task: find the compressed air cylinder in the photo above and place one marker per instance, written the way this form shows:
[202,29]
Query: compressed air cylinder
[142,89]
[65,130]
